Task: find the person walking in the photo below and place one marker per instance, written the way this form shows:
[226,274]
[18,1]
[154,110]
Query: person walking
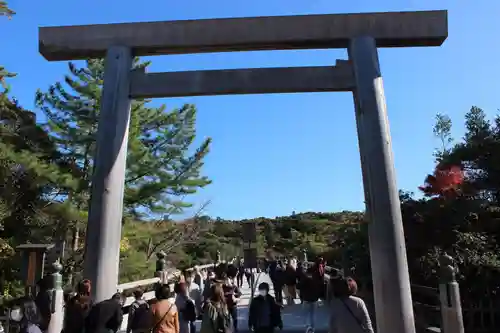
[241,273]
[232,295]
[139,315]
[348,312]
[232,271]
[195,293]
[248,275]
[273,266]
[309,293]
[265,313]
[291,284]
[164,312]
[207,289]
[197,277]
[319,272]
[216,317]
[105,316]
[186,308]
[77,308]
[43,302]
[301,274]
[279,282]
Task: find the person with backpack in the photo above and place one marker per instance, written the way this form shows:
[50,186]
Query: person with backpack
[265,313]
[139,315]
[216,316]
[186,307]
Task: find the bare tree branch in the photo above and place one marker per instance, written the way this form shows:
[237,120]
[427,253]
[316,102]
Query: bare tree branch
[181,233]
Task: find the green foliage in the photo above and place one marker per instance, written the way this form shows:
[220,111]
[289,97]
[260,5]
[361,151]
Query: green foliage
[4,73]
[5,10]
[442,131]
[160,168]
[30,173]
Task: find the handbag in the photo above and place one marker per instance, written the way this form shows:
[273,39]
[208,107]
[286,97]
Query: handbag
[363,328]
[163,317]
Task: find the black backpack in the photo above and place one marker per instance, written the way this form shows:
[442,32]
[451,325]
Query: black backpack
[189,311]
[142,317]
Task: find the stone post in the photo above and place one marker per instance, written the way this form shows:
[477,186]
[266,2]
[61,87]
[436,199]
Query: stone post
[161,267]
[218,260]
[57,306]
[449,295]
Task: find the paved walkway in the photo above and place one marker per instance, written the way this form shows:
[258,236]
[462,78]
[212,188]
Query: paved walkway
[294,317]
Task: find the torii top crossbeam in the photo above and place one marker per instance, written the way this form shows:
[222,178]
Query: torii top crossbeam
[390,29]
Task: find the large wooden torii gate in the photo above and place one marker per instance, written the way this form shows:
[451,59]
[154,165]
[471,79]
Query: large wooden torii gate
[361,34]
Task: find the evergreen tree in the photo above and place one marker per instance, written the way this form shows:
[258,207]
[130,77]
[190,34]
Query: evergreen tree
[160,169]
[31,176]
[5,10]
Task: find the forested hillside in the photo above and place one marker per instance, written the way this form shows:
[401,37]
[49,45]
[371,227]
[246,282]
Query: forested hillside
[457,211]
[197,240]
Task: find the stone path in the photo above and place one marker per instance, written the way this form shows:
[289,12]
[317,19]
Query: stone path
[294,316]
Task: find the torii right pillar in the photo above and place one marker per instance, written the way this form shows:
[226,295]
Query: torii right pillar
[391,282]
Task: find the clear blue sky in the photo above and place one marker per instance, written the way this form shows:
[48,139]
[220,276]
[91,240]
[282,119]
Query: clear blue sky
[273,154]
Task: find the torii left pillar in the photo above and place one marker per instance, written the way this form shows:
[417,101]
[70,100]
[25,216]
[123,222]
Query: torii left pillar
[102,246]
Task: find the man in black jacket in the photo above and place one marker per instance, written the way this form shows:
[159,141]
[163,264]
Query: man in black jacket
[105,316]
[277,275]
[309,292]
[265,313]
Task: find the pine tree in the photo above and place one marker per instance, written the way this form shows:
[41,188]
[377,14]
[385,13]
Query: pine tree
[160,169]
[5,10]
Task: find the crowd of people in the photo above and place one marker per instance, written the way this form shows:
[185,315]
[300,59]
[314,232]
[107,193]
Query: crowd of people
[212,296]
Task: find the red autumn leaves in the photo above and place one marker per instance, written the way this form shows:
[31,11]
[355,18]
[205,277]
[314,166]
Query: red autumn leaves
[444,182]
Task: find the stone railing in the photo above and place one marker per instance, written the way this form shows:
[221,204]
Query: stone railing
[435,308]
[169,276]
[163,275]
